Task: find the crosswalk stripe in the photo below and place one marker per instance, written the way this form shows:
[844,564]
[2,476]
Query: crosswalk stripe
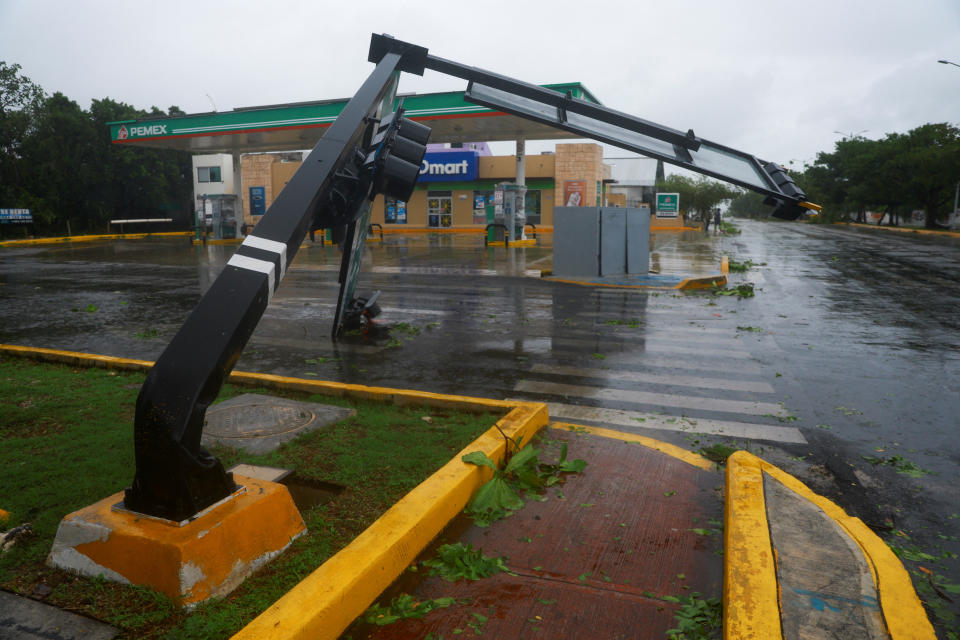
[640,420]
[641,359]
[724,384]
[645,397]
[651,345]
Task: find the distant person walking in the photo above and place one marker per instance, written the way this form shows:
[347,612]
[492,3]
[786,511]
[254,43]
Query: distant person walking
[716,219]
[706,222]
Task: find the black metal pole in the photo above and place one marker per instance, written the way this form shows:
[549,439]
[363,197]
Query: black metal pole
[176,477]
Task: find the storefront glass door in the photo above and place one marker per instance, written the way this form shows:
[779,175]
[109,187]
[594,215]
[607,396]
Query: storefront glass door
[439,209]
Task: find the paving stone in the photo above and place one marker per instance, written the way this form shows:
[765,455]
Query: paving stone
[25,619]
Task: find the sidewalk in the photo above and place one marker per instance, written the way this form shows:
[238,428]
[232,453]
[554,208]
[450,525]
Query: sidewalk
[618,550]
[595,559]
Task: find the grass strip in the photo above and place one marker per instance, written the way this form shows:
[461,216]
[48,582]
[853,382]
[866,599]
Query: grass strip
[68,442]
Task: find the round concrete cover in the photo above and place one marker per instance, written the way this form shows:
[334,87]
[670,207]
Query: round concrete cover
[258,424]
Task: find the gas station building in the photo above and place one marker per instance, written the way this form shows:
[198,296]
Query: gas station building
[244,157]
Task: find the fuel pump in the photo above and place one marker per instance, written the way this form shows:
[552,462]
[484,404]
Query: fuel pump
[509,210]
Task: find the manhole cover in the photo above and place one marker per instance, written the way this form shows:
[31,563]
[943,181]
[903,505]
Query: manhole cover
[258,424]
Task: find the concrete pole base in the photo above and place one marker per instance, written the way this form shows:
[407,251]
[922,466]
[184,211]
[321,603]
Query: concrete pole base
[191,561]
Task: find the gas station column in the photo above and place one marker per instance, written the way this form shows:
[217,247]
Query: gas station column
[238,190]
[521,180]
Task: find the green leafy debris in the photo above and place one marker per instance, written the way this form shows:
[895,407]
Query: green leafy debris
[456,561]
[900,465]
[402,607]
[696,618]
[523,474]
[717,452]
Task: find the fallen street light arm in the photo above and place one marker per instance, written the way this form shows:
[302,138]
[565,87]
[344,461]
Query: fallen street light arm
[175,476]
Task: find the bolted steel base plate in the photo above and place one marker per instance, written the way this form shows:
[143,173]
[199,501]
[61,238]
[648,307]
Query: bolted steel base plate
[258,424]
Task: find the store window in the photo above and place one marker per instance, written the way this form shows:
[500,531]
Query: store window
[208,174]
[439,208]
[480,201]
[394,211]
[531,206]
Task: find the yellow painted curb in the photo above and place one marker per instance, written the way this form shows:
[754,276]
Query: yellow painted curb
[702,282]
[75,358]
[94,238]
[610,286]
[219,241]
[328,600]
[748,552]
[663,447]
[751,600]
[931,232]
[529,242]
[243,378]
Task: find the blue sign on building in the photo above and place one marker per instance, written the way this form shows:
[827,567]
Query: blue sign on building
[449,166]
[16,216]
[258,201]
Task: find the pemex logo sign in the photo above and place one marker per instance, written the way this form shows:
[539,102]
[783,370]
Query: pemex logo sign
[668,205]
[141,131]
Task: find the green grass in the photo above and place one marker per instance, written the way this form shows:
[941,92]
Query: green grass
[68,442]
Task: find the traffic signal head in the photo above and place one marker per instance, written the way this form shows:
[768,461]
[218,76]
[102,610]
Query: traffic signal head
[784,208]
[396,152]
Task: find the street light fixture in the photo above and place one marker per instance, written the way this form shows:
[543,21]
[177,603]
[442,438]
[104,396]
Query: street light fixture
[851,135]
[948,62]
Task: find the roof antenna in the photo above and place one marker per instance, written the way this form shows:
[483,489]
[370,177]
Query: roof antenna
[212,102]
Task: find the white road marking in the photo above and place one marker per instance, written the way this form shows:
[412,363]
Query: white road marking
[746,430]
[644,397]
[723,384]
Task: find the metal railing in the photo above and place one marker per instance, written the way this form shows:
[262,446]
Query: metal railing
[506,234]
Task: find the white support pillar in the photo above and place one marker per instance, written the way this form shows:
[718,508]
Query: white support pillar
[238,190]
[521,180]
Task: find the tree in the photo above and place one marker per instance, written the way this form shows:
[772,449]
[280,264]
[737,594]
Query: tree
[895,174]
[698,197]
[20,102]
[749,204]
[61,155]
[58,160]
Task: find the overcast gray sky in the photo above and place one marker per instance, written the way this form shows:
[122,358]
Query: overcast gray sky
[770,77]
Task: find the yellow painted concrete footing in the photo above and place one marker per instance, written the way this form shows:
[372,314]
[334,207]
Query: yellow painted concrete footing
[205,557]
[4,516]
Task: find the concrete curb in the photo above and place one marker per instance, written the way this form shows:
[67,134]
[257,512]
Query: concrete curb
[929,232]
[663,447]
[703,282]
[94,238]
[751,597]
[397,396]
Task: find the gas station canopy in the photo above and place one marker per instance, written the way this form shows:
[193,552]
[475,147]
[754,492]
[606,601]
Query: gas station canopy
[289,127]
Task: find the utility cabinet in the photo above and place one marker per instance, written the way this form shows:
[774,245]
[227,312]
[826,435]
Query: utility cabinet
[600,241]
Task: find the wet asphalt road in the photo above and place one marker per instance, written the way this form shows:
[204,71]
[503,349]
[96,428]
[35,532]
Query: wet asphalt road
[850,348]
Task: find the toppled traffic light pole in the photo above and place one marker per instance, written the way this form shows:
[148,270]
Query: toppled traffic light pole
[371,148]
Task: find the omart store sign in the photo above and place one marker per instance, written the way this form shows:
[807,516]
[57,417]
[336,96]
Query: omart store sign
[449,166]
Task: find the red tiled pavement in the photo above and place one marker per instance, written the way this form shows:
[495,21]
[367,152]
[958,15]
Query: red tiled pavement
[594,560]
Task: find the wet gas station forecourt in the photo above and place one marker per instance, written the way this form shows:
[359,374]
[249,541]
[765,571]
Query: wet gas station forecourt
[843,368]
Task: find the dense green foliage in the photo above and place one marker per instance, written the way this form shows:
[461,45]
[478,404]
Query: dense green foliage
[896,175]
[57,160]
[699,196]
